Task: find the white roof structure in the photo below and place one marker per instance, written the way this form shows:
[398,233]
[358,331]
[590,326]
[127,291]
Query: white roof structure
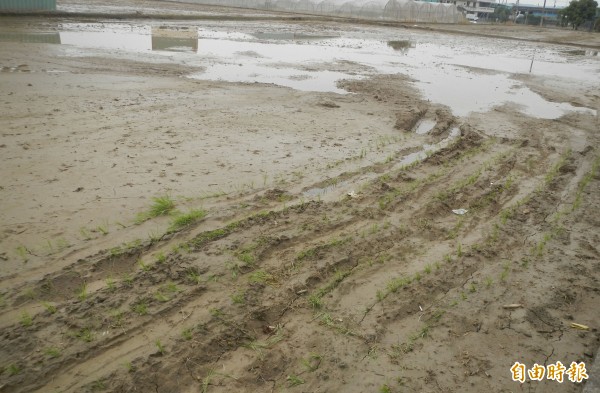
[395,10]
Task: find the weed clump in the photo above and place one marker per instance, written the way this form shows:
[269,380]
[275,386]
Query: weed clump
[187,219]
[161,206]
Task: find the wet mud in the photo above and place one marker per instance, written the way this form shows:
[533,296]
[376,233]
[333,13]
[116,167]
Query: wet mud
[168,226]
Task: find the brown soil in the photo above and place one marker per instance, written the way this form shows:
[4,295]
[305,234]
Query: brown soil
[381,290]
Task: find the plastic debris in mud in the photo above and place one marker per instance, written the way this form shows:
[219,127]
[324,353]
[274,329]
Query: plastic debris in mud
[460,212]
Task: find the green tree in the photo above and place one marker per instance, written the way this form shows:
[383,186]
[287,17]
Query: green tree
[578,12]
[501,12]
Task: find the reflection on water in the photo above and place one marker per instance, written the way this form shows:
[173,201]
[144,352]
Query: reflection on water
[129,40]
[401,46]
[465,75]
[291,36]
[174,44]
[425,126]
[174,40]
[582,52]
[35,38]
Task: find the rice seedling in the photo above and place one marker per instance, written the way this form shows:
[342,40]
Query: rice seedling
[423,333]
[238,298]
[51,308]
[110,284]
[52,352]
[187,219]
[22,252]
[13,369]
[313,362]
[385,388]
[160,347]
[260,277]
[85,334]
[115,251]
[505,271]
[294,380]
[161,206]
[62,244]
[488,282]
[306,254]
[161,297]
[171,287]
[315,301]
[193,276]
[161,258]
[328,321]
[143,266]
[116,318]
[103,229]
[128,280]
[206,380]
[401,349]
[187,334]
[437,315]
[26,319]
[49,246]
[374,229]
[98,385]
[130,367]
[397,283]
[82,292]
[85,234]
[140,308]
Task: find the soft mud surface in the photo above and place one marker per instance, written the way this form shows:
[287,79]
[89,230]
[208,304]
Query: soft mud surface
[324,255]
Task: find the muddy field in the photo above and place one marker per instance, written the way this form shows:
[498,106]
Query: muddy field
[218,205]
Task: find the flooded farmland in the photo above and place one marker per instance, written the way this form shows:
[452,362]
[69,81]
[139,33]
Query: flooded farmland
[250,205]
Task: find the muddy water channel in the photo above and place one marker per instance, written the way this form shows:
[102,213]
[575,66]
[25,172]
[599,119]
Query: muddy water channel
[467,74]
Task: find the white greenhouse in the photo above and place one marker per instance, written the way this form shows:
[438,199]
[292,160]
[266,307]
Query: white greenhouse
[394,10]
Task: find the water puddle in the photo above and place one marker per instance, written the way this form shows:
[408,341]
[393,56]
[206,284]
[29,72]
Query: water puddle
[463,73]
[425,126]
[33,38]
[321,191]
[402,46]
[291,36]
[119,37]
[583,52]
[427,150]
[411,158]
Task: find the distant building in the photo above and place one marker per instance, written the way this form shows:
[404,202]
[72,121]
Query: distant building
[27,5]
[474,9]
[549,13]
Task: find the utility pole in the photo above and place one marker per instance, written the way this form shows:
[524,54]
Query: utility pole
[543,13]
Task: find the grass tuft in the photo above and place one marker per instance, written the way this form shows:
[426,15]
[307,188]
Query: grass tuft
[161,206]
[187,219]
